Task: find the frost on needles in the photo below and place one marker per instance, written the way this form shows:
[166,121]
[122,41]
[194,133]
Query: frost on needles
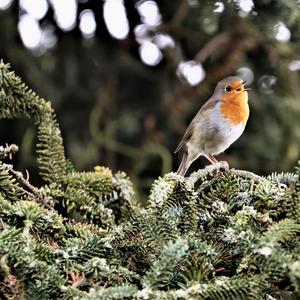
[218,234]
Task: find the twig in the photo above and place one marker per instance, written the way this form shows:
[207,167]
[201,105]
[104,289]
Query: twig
[45,200]
[20,176]
[180,14]
[223,167]
[211,169]
[77,279]
[248,175]
[216,43]
[8,151]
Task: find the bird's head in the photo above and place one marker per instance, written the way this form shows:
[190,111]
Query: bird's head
[230,88]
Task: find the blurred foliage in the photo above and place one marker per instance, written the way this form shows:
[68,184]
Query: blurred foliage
[117,112]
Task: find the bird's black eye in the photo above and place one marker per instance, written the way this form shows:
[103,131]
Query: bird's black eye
[228,88]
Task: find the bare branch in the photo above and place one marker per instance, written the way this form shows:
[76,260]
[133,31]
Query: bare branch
[34,191]
[180,14]
[216,43]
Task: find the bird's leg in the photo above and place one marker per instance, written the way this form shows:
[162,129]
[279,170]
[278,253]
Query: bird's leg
[214,161]
[213,158]
[224,163]
[210,158]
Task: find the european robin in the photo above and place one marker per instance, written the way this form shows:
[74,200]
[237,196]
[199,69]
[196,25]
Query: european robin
[218,123]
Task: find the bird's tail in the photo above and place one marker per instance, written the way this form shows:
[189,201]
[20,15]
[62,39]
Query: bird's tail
[183,165]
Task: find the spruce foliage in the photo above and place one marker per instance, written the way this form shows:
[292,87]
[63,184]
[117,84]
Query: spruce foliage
[218,234]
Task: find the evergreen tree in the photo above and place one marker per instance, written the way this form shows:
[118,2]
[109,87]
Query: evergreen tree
[218,234]
[116,111]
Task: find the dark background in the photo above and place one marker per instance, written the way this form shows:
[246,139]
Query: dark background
[116,110]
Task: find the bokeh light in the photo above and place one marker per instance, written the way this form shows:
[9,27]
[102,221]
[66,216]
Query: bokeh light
[219,7]
[142,33]
[4,4]
[116,19]
[267,83]
[282,33]
[87,23]
[65,13]
[164,41]
[30,31]
[36,8]
[193,3]
[149,12]
[150,54]
[191,71]
[246,74]
[48,38]
[246,6]
[294,65]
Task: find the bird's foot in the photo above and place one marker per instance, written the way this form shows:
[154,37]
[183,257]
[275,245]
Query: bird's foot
[224,165]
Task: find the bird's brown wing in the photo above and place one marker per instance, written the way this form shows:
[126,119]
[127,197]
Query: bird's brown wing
[186,137]
[209,105]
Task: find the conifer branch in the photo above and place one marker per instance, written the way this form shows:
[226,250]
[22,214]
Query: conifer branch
[17,100]
[219,234]
[8,151]
[211,170]
[248,175]
[35,193]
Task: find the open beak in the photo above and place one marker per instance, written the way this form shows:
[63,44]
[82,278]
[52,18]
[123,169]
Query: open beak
[246,89]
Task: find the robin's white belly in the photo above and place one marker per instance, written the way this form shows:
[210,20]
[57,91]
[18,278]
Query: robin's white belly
[216,133]
[223,140]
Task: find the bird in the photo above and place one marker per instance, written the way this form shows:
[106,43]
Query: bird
[218,123]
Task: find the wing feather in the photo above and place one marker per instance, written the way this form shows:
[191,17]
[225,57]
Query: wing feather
[209,105]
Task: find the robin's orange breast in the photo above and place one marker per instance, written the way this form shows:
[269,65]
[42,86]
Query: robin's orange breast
[234,107]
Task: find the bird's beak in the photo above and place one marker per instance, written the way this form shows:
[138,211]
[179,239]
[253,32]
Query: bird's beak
[246,89]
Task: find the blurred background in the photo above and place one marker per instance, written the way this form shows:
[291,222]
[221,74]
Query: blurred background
[126,77]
